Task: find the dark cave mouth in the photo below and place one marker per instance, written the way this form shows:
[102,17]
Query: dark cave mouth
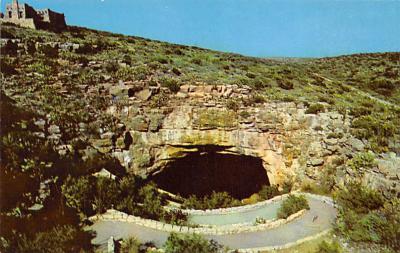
[201,173]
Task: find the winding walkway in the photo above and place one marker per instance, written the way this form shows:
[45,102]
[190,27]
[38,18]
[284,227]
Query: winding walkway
[318,219]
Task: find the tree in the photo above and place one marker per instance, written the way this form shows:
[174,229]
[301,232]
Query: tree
[106,195]
[152,202]
[128,194]
[194,243]
[78,193]
[215,200]
[221,200]
[60,239]
[176,217]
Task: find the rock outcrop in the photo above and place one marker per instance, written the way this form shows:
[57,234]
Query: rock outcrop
[291,143]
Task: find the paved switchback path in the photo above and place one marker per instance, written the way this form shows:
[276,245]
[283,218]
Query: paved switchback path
[287,233]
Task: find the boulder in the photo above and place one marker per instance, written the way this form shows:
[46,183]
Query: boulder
[144,94]
[182,95]
[389,166]
[184,88]
[356,144]
[331,142]
[316,161]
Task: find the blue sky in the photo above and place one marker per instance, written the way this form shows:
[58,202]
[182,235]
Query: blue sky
[290,28]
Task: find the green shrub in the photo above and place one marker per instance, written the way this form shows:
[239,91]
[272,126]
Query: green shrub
[106,195]
[190,243]
[254,99]
[159,100]
[127,59]
[162,60]
[59,239]
[83,60]
[315,108]
[268,192]
[215,200]
[259,84]
[251,75]
[216,118]
[292,205]
[172,84]
[41,67]
[258,99]
[383,86]
[221,200]
[363,160]
[359,198]
[176,71]
[176,217]
[287,186]
[389,226]
[326,247]
[233,105]
[125,73]
[152,202]
[49,51]
[381,226]
[244,114]
[327,180]
[335,135]
[362,110]
[10,48]
[197,61]
[374,126]
[111,66]
[357,227]
[78,193]
[7,66]
[288,98]
[130,245]
[285,84]
[129,187]
[141,72]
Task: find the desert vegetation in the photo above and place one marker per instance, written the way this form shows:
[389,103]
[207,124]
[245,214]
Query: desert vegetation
[292,205]
[366,216]
[53,101]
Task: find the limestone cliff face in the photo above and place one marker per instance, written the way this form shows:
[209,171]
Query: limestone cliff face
[293,145]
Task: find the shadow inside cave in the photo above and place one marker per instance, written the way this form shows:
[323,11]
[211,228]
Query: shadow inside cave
[201,173]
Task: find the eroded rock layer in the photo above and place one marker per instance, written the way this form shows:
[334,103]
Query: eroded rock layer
[293,145]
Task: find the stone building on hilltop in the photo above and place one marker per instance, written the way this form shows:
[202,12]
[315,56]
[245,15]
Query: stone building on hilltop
[26,16]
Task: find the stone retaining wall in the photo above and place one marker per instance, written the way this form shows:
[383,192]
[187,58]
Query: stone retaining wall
[284,246]
[115,215]
[238,209]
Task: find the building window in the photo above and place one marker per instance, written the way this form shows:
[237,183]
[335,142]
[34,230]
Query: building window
[20,14]
[10,14]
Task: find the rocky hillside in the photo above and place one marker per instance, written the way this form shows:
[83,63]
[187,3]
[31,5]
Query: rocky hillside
[105,88]
[101,100]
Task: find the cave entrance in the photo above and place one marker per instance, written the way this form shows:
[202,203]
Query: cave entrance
[201,173]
